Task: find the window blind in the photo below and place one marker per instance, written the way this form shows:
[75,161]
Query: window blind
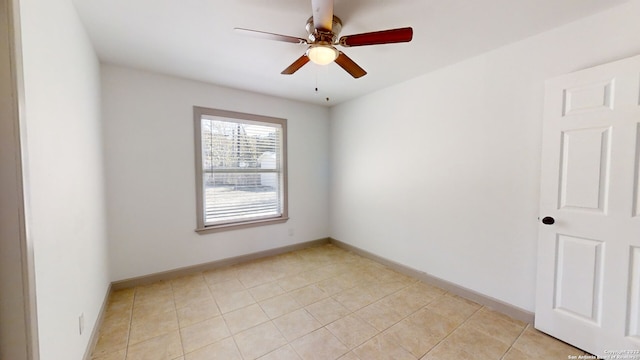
[241,170]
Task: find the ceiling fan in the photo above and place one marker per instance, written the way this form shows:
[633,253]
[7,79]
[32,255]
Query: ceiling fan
[323,28]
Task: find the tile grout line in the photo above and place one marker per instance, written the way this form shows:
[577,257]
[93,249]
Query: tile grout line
[198,322]
[175,308]
[231,335]
[452,331]
[133,303]
[514,341]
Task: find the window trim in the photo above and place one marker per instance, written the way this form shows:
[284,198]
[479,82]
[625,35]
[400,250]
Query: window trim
[201,228]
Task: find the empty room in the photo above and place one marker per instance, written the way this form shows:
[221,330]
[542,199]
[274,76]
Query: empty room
[320,179]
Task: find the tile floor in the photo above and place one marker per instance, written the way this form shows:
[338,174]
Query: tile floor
[318,303]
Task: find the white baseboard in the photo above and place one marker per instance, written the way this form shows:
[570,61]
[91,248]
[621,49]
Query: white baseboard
[500,306]
[175,273]
[95,332]
[495,304]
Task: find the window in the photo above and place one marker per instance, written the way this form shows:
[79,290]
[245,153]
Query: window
[241,169]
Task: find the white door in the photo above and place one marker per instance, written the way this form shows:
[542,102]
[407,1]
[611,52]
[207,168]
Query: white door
[588,277]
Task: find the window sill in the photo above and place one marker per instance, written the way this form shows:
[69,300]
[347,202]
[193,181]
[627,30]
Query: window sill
[237,226]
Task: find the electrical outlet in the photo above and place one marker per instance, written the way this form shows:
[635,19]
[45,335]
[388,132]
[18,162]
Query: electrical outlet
[81,323]
[291,232]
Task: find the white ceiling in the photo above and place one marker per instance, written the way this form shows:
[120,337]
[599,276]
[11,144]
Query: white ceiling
[194,39]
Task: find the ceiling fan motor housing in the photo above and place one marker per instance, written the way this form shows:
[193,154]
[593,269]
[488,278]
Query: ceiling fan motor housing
[324,37]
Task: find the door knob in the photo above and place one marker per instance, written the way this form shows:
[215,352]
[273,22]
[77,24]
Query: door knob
[548,220]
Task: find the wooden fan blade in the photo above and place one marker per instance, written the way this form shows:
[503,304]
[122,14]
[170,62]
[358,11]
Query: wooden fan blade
[350,66]
[271,36]
[378,37]
[322,14]
[296,65]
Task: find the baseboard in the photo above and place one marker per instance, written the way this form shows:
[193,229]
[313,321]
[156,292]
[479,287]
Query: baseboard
[95,332]
[495,304]
[176,273]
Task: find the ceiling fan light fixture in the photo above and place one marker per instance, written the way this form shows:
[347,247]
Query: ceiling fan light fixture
[322,54]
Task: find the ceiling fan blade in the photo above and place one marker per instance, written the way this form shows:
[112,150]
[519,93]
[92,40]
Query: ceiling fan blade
[350,66]
[296,65]
[322,14]
[271,36]
[378,37]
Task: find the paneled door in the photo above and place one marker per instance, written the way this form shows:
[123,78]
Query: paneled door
[588,276]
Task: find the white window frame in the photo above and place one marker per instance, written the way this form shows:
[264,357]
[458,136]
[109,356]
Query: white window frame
[238,117]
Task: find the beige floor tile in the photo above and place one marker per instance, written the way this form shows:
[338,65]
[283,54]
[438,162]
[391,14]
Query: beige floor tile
[327,310]
[379,315]
[245,318]
[232,301]
[448,351]
[476,343]
[296,324]
[204,333]
[355,298]
[412,298]
[218,275]
[352,297]
[349,356]
[225,349]
[118,355]
[153,325]
[279,305]
[415,340]
[120,301]
[117,317]
[258,277]
[502,316]
[363,278]
[540,345]
[294,282]
[191,296]
[348,278]
[122,295]
[453,307]
[198,312]
[319,345]
[382,348]
[432,322]
[266,291]
[164,347]
[155,293]
[155,289]
[421,331]
[515,354]
[112,338]
[317,275]
[382,289]
[152,306]
[388,275]
[259,340]
[308,295]
[497,325]
[188,282]
[334,285]
[284,353]
[352,331]
[228,286]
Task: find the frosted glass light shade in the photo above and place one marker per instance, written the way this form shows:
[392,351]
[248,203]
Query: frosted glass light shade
[322,54]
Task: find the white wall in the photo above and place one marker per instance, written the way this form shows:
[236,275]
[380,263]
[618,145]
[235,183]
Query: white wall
[64,175]
[149,144]
[441,173]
